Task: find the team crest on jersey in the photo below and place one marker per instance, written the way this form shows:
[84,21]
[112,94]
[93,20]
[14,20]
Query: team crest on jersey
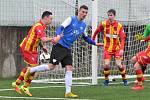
[81,28]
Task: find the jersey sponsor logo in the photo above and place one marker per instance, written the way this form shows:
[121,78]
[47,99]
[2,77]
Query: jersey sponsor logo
[75,32]
[111,36]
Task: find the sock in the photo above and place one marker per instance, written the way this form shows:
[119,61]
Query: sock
[39,68]
[122,72]
[106,72]
[139,76]
[21,76]
[28,82]
[68,81]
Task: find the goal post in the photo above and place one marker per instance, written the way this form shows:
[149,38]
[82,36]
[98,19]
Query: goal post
[94,48]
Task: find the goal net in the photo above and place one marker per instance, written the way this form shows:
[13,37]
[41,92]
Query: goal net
[132,14]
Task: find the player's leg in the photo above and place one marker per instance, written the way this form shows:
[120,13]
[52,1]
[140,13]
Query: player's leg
[68,82]
[25,87]
[67,63]
[139,73]
[122,71]
[19,80]
[55,58]
[21,76]
[121,67]
[106,67]
[31,60]
[134,59]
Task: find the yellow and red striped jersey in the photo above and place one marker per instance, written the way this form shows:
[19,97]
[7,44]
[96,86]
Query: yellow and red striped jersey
[113,35]
[31,41]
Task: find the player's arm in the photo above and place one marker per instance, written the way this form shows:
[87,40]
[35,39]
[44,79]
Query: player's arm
[43,46]
[89,40]
[146,31]
[122,40]
[146,35]
[60,29]
[146,39]
[42,35]
[99,29]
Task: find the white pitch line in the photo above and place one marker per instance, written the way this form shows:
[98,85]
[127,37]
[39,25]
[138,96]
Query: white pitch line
[39,87]
[9,97]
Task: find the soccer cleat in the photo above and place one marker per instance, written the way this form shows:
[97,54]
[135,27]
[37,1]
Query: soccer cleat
[27,74]
[17,88]
[125,82]
[138,87]
[70,95]
[26,91]
[106,82]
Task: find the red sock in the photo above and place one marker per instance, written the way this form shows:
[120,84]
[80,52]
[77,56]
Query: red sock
[106,72]
[21,76]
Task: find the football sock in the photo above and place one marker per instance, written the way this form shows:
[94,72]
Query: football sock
[68,81]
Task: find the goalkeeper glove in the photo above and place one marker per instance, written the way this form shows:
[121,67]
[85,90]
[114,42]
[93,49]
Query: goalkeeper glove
[139,36]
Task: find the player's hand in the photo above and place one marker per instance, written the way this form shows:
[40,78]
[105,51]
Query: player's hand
[121,52]
[139,36]
[99,44]
[45,49]
[56,39]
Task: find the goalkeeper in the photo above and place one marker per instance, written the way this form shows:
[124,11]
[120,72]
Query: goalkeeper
[141,59]
[114,40]
[72,28]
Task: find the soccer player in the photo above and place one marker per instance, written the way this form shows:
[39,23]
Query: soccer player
[114,41]
[71,28]
[141,59]
[28,50]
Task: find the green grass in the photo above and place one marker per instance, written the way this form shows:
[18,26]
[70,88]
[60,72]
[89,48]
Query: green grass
[99,92]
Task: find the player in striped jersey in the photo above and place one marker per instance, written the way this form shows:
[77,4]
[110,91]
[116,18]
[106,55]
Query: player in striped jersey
[28,50]
[114,41]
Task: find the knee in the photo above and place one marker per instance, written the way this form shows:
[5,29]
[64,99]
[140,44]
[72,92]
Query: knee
[69,68]
[51,66]
[133,59]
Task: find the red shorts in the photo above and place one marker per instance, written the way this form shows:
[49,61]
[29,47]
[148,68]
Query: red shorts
[29,57]
[108,55]
[142,58]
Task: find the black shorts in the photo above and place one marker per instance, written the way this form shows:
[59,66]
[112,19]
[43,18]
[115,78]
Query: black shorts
[60,54]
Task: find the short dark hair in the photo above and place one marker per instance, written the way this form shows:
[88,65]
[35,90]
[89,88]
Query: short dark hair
[84,7]
[46,13]
[112,11]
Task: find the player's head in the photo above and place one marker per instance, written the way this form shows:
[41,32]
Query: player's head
[83,10]
[111,14]
[47,17]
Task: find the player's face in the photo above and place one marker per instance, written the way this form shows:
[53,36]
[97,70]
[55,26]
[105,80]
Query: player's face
[111,16]
[48,20]
[82,13]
